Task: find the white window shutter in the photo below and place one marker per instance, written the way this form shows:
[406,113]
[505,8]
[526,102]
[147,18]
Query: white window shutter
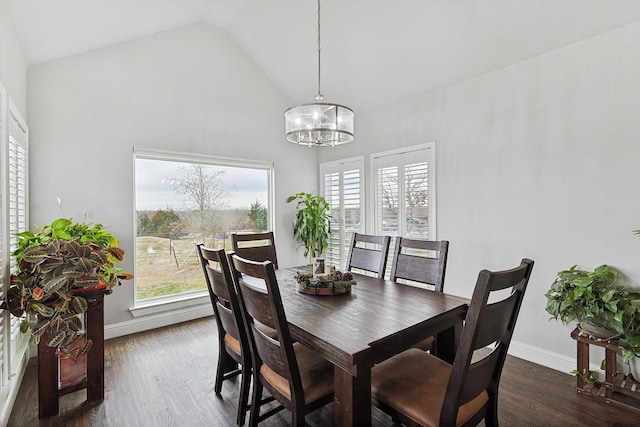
[17,180]
[404,183]
[342,185]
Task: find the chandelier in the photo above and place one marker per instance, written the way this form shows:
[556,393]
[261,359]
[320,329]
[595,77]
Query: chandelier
[320,124]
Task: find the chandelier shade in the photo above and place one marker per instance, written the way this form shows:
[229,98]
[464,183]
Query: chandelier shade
[319,124]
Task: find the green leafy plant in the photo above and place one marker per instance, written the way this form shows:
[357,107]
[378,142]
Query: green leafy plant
[311,223]
[630,345]
[56,266]
[588,297]
[586,375]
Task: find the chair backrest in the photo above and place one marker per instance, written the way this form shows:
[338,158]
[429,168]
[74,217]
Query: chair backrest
[223,295]
[264,314]
[369,253]
[423,261]
[255,246]
[487,322]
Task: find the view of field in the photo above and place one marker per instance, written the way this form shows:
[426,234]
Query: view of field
[166,266]
[214,201]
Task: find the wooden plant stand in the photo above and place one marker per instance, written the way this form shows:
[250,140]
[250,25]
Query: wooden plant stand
[618,388]
[51,378]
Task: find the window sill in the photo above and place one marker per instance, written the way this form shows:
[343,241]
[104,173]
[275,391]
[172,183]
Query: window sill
[162,305]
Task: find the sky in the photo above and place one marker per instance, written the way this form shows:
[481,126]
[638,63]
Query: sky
[155,180]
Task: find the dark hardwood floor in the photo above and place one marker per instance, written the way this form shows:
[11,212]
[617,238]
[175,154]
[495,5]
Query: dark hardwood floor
[165,377]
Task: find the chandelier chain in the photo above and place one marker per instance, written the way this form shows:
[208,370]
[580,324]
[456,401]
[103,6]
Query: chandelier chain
[320,124]
[319,96]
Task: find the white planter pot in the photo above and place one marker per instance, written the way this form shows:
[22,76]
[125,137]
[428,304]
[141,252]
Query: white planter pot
[598,331]
[634,367]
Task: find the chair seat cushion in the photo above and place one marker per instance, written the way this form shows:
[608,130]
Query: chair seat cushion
[414,383]
[316,374]
[233,344]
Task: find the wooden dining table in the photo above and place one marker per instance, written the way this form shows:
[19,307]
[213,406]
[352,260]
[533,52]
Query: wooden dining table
[373,322]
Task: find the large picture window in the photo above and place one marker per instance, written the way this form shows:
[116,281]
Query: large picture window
[184,199]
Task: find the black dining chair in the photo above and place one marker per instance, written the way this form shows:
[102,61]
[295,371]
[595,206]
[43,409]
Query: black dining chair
[418,389]
[368,253]
[420,262]
[255,246]
[299,379]
[233,343]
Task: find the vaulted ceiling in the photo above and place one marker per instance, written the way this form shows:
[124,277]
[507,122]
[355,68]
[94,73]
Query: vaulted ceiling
[374,52]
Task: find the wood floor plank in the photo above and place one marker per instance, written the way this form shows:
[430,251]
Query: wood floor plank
[165,378]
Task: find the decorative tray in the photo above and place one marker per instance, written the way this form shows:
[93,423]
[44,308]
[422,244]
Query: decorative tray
[317,286]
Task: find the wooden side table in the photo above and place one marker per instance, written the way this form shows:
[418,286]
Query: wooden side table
[618,388]
[50,384]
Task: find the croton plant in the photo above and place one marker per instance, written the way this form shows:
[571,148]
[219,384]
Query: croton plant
[56,267]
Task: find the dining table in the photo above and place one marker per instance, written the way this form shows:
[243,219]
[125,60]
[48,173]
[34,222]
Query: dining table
[374,321]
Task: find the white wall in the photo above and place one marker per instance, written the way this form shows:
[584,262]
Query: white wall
[540,160]
[190,90]
[13,66]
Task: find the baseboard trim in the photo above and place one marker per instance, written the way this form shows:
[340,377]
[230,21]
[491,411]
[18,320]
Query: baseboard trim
[556,361]
[159,320]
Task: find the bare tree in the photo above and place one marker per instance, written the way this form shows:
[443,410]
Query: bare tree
[203,185]
[415,197]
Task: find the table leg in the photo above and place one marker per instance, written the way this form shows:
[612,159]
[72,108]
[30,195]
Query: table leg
[352,398]
[446,342]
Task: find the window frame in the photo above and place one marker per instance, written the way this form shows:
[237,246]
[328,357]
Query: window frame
[430,149]
[188,300]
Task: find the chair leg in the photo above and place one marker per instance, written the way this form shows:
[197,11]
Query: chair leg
[225,364]
[491,417]
[244,395]
[256,400]
[297,419]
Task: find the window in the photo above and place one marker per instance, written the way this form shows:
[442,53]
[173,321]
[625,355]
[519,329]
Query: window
[404,182]
[13,219]
[18,221]
[342,187]
[184,199]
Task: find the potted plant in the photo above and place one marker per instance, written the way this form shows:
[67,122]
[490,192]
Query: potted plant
[311,223]
[630,345]
[56,265]
[592,298]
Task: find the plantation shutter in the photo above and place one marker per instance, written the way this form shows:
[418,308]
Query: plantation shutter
[416,184]
[404,181]
[332,196]
[18,219]
[343,188]
[4,285]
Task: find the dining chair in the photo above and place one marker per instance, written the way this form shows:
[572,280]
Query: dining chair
[419,389]
[421,261]
[299,379]
[255,246]
[233,343]
[369,253]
